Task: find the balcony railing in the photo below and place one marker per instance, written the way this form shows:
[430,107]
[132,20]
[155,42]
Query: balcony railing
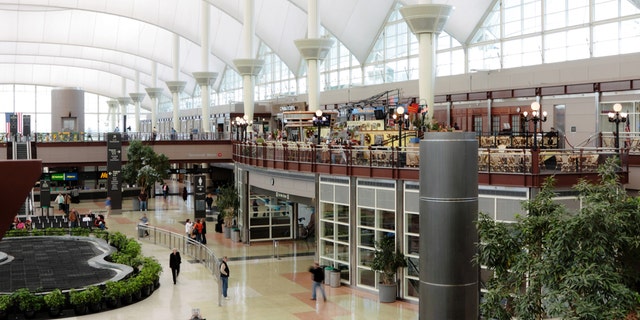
[364,161]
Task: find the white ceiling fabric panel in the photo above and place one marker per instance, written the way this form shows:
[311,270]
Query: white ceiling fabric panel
[357,23]
[94,44]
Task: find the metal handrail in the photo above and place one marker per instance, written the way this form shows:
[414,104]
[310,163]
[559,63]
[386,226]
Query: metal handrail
[189,247]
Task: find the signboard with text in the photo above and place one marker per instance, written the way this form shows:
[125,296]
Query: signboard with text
[114,169]
[199,196]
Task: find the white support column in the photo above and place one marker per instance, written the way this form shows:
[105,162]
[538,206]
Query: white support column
[137,98]
[248,67]
[205,78]
[113,107]
[124,102]
[154,103]
[154,94]
[314,50]
[426,22]
[176,86]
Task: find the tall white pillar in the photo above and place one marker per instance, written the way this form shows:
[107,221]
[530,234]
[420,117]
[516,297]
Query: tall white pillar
[426,22]
[124,102]
[205,78]
[137,98]
[314,50]
[176,86]
[154,94]
[113,107]
[248,67]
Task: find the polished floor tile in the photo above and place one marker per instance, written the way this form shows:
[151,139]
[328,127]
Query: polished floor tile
[260,287]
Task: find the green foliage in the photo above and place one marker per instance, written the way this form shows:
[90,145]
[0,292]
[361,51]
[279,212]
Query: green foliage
[151,269]
[114,290]
[94,294]
[387,260]
[80,232]
[228,203]
[27,300]
[54,299]
[555,263]
[6,301]
[79,297]
[144,166]
[118,240]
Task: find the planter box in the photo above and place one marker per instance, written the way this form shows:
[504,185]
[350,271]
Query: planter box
[387,292]
[235,235]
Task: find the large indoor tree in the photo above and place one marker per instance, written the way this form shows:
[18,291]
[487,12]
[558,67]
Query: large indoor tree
[570,265]
[144,166]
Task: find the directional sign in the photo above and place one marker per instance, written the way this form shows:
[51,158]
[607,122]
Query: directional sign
[200,195]
[45,194]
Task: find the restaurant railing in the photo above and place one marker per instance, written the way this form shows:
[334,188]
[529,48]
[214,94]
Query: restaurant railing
[491,160]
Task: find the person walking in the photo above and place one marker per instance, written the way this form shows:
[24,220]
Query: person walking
[142,197]
[107,205]
[185,194]
[174,264]
[224,276]
[318,277]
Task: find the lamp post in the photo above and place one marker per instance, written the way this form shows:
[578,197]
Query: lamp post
[535,117]
[400,118]
[617,117]
[319,120]
[241,124]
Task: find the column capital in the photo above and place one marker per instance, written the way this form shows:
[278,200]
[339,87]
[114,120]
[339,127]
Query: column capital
[137,96]
[154,93]
[112,103]
[123,101]
[314,48]
[176,86]
[426,18]
[205,78]
[249,67]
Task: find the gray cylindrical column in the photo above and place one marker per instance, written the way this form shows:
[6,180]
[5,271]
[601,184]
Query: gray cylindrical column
[67,109]
[448,235]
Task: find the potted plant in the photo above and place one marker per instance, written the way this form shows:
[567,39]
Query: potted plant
[386,261]
[55,301]
[28,302]
[94,298]
[80,301]
[6,303]
[113,293]
[144,167]
[228,203]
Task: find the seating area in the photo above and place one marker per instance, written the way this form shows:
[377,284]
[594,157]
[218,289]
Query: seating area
[57,221]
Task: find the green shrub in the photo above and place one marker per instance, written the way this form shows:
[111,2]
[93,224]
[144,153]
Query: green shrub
[54,299]
[27,300]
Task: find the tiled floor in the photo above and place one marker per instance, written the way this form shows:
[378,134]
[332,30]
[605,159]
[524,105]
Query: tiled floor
[260,286]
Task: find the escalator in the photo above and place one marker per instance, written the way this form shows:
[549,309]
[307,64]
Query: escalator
[22,151]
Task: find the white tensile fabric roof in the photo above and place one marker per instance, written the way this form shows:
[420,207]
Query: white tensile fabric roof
[95,44]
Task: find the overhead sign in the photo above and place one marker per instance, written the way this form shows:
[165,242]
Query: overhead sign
[64,176]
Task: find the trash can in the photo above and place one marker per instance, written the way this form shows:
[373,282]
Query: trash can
[327,274]
[141,230]
[235,235]
[334,278]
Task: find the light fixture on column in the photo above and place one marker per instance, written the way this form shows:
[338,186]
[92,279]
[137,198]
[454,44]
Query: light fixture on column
[400,118]
[617,117]
[535,117]
[319,121]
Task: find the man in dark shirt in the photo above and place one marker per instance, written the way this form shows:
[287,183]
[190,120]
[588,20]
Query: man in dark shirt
[174,264]
[318,277]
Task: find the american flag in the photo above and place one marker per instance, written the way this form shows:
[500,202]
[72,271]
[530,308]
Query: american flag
[7,117]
